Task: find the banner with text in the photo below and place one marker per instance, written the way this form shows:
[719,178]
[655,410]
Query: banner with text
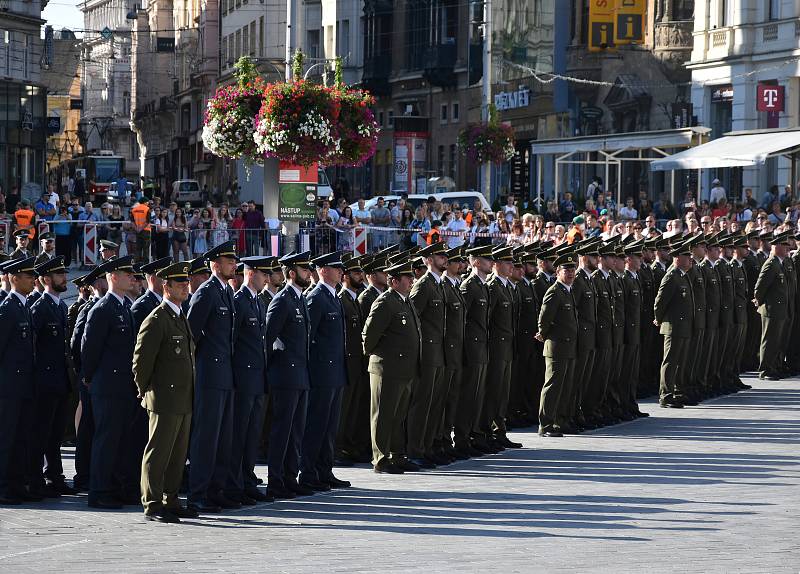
[630,16]
[297,187]
[601,25]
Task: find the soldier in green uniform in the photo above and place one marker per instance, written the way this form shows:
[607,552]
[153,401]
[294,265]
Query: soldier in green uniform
[727,343]
[649,332]
[673,312]
[558,330]
[453,353]
[633,329]
[793,356]
[428,394]
[752,267]
[392,342]
[740,307]
[699,346]
[522,403]
[163,368]
[771,295]
[594,395]
[712,289]
[662,262]
[375,270]
[616,381]
[791,294]
[583,291]
[541,283]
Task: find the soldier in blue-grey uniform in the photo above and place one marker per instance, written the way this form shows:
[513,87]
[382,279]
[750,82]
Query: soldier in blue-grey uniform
[212,318]
[327,375]
[51,378]
[199,272]
[250,378]
[287,376]
[106,359]
[152,298]
[16,382]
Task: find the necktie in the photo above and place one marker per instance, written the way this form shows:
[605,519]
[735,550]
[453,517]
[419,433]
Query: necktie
[127,306]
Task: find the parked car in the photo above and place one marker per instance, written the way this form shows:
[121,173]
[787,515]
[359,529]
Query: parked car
[467,198]
[184,190]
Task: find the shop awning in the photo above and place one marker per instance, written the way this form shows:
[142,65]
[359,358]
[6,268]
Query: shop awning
[734,149]
[610,143]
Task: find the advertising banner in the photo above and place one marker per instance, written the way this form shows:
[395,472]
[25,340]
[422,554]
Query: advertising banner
[297,186]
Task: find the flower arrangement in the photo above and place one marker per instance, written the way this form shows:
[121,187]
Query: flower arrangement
[358,129]
[490,141]
[298,120]
[229,118]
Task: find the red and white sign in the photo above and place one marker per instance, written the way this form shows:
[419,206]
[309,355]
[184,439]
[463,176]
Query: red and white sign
[90,245]
[359,241]
[42,228]
[770,98]
[291,173]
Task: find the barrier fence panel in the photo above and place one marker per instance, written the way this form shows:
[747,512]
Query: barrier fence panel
[89,244]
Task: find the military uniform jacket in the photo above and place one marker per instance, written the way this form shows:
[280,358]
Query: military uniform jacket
[762,257]
[142,307]
[633,308]
[266,298]
[427,295]
[163,362]
[33,298]
[648,294]
[326,358]
[211,318]
[740,298]
[697,279]
[752,266]
[107,348]
[604,304]
[659,270]
[392,338]
[72,316]
[77,333]
[20,254]
[17,350]
[501,320]
[583,293]
[476,320]
[772,289]
[353,324]
[249,344]
[791,285]
[287,340]
[541,283]
[619,308]
[527,319]
[558,323]
[674,305]
[366,298]
[713,295]
[726,292]
[454,325]
[51,370]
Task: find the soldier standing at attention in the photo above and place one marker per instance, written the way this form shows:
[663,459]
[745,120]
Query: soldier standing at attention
[646,367]
[558,330]
[274,284]
[725,343]
[771,300]
[521,402]
[594,395]
[631,354]
[151,299]
[392,341]
[740,308]
[16,382]
[375,270]
[541,283]
[752,266]
[288,377]
[327,371]
[212,320]
[427,295]
[791,311]
[673,314]
[199,272]
[163,368]
[467,432]
[583,292]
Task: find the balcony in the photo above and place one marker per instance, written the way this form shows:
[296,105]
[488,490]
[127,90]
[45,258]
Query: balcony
[439,63]
[376,74]
[762,38]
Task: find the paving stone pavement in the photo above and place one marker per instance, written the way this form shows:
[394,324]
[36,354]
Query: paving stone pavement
[712,488]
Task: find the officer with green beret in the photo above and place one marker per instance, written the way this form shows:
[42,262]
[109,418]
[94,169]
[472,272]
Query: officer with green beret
[163,370]
[674,313]
[771,294]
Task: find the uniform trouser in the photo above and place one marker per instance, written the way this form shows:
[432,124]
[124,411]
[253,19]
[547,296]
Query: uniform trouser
[771,331]
[594,395]
[694,360]
[707,358]
[614,392]
[741,334]
[657,358]
[557,377]
[716,366]
[785,340]
[455,379]
[673,372]
[13,446]
[83,448]
[470,403]
[388,409]
[631,354]
[419,408]
[646,352]
[584,361]
[289,410]
[50,415]
[498,386]
[729,372]
[248,419]
[113,418]
[537,375]
[210,444]
[753,338]
[347,438]
[164,459]
[522,398]
[319,440]
[138,441]
[433,428]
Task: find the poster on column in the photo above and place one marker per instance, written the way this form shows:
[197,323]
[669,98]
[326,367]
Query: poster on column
[601,25]
[630,21]
[297,186]
[410,157]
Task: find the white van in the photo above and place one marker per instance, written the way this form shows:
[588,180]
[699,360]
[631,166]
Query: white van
[467,198]
[184,190]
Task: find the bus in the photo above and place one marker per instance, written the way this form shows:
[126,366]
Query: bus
[98,170]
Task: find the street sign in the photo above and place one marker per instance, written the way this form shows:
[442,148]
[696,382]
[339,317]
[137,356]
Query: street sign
[89,244]
[76,104]
[601,25]
[53,125]
[770,98]
[106,33]
[165,44]
[630,21]
[592,112]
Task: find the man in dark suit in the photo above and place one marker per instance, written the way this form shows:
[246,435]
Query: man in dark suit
[16,382]
[250,378]
[327,376]
[106,359]
[151,299]
[51,377]
[287,340]
[212,319]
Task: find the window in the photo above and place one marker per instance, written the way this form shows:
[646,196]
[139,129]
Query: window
[453,161]
[454,112]
[26,56]
[253,38]
[440,160]
[443,114]
[343,39]
[773,9]
[245,41]
[226,43]
[391,119]
[126,104]
[238,3]
[380,118]
[261,37]
[328,40]
[312,43]
[238,47]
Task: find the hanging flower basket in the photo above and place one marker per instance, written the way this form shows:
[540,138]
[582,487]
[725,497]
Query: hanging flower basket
[230,115]
[358,128]
[487,142]
[298,121]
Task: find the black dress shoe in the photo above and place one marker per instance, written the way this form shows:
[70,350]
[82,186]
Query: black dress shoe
[280,492]
[315,485]
[224,502]
[337,482]
[184,512]
[245,500]
[6,500]
[130,499]
[105,503]
[641,415]
[385,467]
[422,463]
[461,454]
[26,495]
[437,459]
[550,433]
[299,489]
[258,496]
[406,465]
[508,443]
[364,458]
[343,461]
[63,488]
[495,446]
[482,447]
[162,515]
[204,507]
[44,491]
